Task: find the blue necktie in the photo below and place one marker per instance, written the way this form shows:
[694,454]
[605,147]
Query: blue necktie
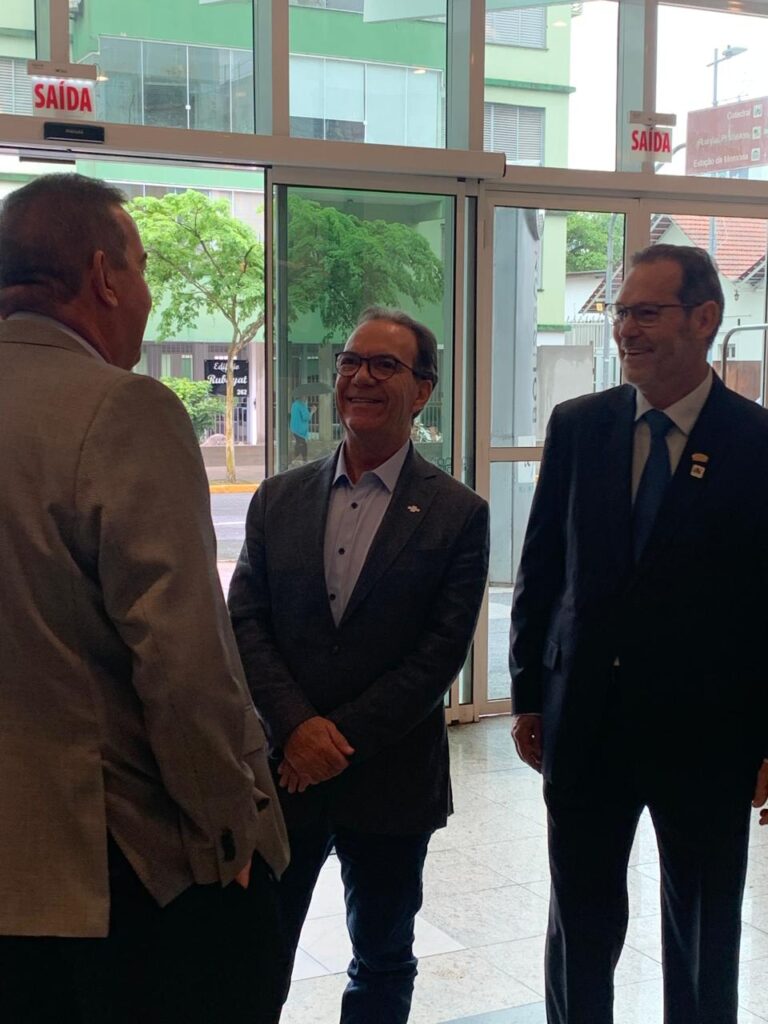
[653,483]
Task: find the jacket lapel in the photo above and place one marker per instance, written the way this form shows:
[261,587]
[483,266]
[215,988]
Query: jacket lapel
[408,506]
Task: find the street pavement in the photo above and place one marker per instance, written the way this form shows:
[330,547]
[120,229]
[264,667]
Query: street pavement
[228,512]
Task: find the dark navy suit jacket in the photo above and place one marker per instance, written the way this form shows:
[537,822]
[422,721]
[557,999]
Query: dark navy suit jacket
[688,624]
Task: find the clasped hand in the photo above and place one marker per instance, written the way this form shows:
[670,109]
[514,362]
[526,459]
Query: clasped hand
[314,752]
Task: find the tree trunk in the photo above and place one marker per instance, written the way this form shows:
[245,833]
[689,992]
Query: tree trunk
[229,412]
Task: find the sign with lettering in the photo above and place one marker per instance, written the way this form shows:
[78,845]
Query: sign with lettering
[650,143]
[216,374]
[728,137]
[62,97]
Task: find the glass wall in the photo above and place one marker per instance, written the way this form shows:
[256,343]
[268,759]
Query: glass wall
[339,251]
[738,246]
[19,22]
[369,72]
[553,273]
[717,85]
[550,83]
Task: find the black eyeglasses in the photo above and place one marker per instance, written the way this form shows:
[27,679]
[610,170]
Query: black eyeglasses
[646,314]
[380,367]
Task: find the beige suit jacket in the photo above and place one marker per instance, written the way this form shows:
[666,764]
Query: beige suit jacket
[122,701]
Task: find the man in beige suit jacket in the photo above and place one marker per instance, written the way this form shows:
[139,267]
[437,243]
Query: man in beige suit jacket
[134,782]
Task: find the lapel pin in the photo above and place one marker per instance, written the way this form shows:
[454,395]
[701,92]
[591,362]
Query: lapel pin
[414,508]
[698,471]
[699,457]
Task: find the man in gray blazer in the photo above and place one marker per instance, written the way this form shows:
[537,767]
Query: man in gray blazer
[354,604]
[133,764]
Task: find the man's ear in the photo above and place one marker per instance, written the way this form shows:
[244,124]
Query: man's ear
[707,316]
[424,391]
[102,279]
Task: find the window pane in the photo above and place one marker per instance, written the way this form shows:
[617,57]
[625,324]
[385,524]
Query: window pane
[339,251]
[512,486]
[739,248]
[553,273]
[717,88]
[18,44]
[178,64]
[378,78]
[548,100]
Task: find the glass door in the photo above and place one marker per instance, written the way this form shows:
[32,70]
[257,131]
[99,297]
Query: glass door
[550,271]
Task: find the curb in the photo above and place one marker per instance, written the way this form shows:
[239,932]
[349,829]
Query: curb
[233,488]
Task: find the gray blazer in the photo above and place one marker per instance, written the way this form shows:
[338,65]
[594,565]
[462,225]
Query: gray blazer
[382,674]
[122,701]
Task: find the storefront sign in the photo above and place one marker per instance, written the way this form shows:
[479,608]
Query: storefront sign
[650,143]
[728,137]
[216,374]
[62,97]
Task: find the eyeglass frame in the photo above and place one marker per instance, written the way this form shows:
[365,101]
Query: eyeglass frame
[617,318]
[368,359]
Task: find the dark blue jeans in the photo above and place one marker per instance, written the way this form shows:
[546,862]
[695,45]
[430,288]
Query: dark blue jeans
[383,892]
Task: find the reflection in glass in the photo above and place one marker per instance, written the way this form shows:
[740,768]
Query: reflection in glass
[544,88]
[18,31]
[367,79]
[553,273]
[738,245]
[339,252]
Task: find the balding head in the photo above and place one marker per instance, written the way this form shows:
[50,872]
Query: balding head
[50,230]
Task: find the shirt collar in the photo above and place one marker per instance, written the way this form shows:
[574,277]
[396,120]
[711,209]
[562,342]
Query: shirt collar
[685,411]
[24,315]
[388,472]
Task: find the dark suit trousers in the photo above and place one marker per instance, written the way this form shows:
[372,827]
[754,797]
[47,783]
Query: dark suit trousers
[701,819]
[211,955]
[382,877]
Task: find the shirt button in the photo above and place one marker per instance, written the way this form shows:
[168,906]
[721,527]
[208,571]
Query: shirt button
[342,550]
[332,597]
[354,504]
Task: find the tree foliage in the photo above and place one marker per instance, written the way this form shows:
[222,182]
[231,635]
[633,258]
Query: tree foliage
[204,260]
[587,240]
[338,264]
[202,406]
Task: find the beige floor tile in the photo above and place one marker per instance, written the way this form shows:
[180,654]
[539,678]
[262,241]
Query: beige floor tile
[452,870]
[520,860]
[314,1001]
[326,940]
[305,966]
[503,915]
[457,985]
[753,987]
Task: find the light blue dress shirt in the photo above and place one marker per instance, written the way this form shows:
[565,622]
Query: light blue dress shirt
[355,512]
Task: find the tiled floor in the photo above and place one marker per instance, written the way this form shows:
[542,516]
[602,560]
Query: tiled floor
[480,934]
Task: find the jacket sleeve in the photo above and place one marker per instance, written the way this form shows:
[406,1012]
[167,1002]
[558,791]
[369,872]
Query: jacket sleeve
[144,507]
[280,700]
[402,697]
[539,578]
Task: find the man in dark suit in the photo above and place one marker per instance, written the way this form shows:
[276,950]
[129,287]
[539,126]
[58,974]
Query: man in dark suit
[351,631]
[637,648]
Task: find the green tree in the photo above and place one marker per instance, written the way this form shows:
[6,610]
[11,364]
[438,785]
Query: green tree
[587,240]
[202,406]
[202,259]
